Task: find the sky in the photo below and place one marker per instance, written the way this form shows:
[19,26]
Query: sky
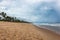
[33,10]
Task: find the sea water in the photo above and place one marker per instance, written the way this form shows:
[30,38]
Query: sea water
[50,26]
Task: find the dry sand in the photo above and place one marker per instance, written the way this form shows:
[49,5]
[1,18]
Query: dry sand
[25,31]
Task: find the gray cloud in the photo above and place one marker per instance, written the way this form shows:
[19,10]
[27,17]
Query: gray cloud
[33,10]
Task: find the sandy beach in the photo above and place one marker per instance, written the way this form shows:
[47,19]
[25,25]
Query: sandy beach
[25,31]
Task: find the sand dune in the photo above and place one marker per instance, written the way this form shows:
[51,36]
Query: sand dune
[25,31]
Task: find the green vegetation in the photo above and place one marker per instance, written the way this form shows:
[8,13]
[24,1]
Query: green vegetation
[10,19]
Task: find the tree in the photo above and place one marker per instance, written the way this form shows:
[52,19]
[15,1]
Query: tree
[3,14]
[8,18]
[11,19]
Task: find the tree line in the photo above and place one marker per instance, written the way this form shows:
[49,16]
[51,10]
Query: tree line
[5,17]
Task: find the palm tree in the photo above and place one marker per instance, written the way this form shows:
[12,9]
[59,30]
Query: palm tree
[8,18]
[3,14]
[11,19]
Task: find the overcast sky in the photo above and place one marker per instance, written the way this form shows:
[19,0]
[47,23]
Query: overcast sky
[32,10]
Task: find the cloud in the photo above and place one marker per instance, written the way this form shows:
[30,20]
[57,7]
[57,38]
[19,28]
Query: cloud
[1,0]
[32,10]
